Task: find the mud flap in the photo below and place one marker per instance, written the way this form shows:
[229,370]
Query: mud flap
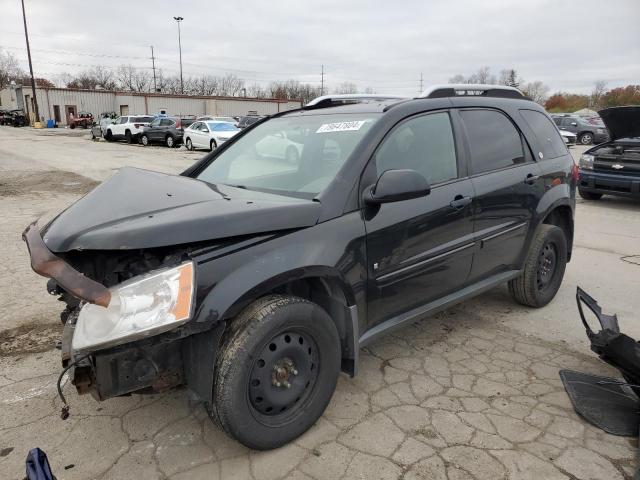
[603,402]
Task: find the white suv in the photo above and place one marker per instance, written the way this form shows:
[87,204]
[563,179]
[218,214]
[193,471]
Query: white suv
[128,127]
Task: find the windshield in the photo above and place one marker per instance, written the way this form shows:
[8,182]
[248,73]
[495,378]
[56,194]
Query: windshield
[222,127]
[297,155]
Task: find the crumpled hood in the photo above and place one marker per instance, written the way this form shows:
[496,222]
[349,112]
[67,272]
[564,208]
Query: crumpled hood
[622,122]
[143,209]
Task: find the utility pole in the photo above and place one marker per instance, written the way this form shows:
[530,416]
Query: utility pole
[421,88]
[322,82]
[33,80]
[179,19]
[153,66]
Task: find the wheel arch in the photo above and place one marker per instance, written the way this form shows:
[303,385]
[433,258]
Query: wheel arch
[319,284]
[561,215]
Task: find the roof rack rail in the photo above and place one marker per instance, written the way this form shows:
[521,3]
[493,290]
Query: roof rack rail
[331,100]
[471,90]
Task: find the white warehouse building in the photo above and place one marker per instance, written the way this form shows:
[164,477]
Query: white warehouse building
[59,104]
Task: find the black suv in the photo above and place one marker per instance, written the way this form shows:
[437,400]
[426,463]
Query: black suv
[166,130]
[255,279]
[613,168]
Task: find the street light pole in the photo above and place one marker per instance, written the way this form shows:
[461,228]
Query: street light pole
[179,19]
[33,80]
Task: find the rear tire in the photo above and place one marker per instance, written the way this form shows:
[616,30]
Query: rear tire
[585,138]
[128,137]
[144,140]
[276,371]
[188,144]
[589,195]
[544,268]
[213,145]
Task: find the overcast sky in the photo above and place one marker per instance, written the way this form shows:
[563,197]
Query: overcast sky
[385,45]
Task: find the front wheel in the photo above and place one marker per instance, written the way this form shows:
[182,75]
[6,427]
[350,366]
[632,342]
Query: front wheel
[108,136]
[276,370]
[589,195]
[188,144]
[213,145]
[586,138]
[128,136]
[544,268]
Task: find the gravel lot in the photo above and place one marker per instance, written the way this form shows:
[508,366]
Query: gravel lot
[472,393]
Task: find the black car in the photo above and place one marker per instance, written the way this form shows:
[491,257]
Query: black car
[166,130]
[613,168]
[586,132]
[248,120]
[255,279]
[14,118]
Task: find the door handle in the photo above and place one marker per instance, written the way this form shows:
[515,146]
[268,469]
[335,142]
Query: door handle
[459,202]
[531,179]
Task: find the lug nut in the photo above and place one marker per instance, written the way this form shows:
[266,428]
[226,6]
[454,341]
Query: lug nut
[287,384]
[294,371]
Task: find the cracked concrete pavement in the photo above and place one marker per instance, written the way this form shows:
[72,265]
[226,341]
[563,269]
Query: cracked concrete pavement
[472,393]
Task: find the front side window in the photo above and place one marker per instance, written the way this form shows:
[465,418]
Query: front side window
[424,144]
[494,141]
[297,155]
[546,132]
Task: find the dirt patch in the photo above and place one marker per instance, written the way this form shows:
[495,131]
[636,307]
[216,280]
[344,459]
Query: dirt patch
[36,337]
[14,183]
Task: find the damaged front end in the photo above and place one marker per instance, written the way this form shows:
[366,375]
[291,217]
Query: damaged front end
[126,329]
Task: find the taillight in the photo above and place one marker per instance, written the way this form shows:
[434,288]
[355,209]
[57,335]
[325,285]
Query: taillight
[575,173]
[178,125]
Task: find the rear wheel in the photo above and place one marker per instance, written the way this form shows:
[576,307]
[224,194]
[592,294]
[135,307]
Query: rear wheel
[169,141]
[144,140]
[589,195]
[188,144]
[544,268]
[276,371]
[128,136]
[586,138]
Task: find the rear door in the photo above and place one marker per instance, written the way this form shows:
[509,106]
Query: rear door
[419,250]
[507,184]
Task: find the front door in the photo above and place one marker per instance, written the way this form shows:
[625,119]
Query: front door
[507,184]
[421,249]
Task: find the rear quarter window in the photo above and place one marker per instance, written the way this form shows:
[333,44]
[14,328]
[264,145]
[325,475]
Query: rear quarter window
[549,138]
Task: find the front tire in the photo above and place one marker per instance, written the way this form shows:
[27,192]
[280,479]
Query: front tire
[589,195]
[213,145]
[108,136]
[276,371]
[544,268]
[128,136]
[188,144]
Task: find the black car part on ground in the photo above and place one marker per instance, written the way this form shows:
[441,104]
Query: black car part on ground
[610,404]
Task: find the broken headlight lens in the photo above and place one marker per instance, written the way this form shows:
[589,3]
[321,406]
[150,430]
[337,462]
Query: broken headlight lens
[586,162]
[140,307]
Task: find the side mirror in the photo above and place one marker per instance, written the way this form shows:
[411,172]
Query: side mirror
[397,185]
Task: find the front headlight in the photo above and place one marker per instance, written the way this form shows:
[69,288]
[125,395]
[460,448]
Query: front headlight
[586,162]
[140,307]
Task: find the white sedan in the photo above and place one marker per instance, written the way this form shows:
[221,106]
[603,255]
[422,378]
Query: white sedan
[208,134]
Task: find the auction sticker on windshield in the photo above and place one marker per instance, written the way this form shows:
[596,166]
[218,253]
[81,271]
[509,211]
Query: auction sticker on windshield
[341,126]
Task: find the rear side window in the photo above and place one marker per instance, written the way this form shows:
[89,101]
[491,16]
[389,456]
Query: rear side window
[547,133]
[424,144]
[494,141]
[165,122]
[141,119]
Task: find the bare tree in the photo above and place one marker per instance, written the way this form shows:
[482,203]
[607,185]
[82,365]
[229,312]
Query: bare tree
[9,69]
[104,77]
[597,95]
[369,91]
[510,78]
[536,91]
[346,88]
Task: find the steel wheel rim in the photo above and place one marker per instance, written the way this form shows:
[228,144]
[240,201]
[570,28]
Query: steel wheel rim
[282,376]
[547,266]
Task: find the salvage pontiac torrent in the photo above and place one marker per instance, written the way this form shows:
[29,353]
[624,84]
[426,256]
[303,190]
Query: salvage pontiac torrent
[255,276]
